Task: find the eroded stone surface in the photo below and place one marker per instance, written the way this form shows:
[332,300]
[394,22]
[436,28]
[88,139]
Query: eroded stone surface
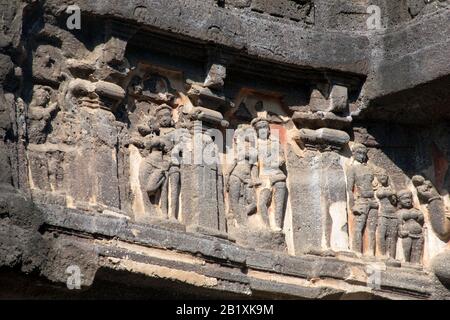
[238,147]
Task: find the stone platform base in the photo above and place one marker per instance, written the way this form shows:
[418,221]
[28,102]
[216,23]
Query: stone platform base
[260,239]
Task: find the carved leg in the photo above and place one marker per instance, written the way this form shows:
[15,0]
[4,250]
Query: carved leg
[360,223]
[174,183]
[416,250]
[164,199]
[407,246]
[234,194]
[382,235]
[280,191]
[52,170]
[151,180]
[439,222]
[372,229]
[154,182]
[264,201]
[392,238]
[250,201]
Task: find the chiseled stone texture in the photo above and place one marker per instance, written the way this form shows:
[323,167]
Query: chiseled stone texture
[357,120]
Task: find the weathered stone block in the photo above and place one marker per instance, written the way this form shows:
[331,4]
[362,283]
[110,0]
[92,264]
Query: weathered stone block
[339,99]
[324,138]
[319,209]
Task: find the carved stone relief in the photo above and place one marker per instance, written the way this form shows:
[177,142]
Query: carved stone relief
[264,154]
[241,180]
[271,177]
[439,218]
[411,228]
[143,140]
[286,190]
[388,220]
[362,202]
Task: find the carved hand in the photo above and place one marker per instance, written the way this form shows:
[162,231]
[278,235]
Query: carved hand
[402,233]
[255,183]
[427,193]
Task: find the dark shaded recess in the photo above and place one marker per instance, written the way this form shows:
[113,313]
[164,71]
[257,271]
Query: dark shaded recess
[404,125]
[243,114]
[154,49]
[121,285]
[85,35]
[293,84]
[192,56]
[109,285]
[410,147]
[421,106]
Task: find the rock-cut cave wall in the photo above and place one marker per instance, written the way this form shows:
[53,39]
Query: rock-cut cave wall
[230,148]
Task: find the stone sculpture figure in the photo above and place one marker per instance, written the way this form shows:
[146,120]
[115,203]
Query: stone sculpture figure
[159,172]
[272,178]
[41,111]
[388,221]
[241,181]
[363,204]
[428,195]
[440,222]
[411,228]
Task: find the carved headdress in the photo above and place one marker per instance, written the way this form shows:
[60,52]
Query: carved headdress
[259,120]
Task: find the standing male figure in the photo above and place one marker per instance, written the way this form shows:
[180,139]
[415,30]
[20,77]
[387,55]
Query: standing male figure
[271,176]
[361,193]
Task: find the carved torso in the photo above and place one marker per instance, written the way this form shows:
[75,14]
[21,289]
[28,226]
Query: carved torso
[363,181]
[270,160]
[387,202]
[412,221]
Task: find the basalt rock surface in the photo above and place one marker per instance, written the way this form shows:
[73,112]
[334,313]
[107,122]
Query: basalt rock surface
[225,149]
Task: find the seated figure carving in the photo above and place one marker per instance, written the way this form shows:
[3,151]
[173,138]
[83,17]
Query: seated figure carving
[41,111]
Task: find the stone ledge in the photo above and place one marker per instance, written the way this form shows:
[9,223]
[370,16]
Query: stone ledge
[393,59]
[264,39]
[404,61]
[124,245]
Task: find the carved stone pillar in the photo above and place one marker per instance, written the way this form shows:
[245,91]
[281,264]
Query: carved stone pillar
[316,175]
[78,161]
[202,202]
[319,217]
